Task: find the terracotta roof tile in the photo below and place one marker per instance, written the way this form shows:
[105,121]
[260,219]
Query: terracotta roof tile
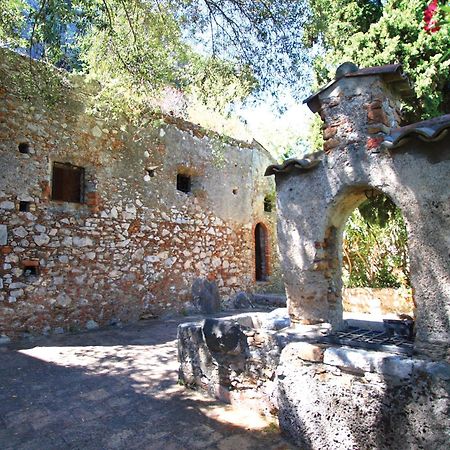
[391,73]
[291,165]
[431,130]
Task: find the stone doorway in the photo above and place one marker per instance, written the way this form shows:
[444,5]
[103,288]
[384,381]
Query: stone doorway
[261,253]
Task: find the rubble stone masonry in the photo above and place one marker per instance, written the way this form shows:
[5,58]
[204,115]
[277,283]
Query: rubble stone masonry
[134,243]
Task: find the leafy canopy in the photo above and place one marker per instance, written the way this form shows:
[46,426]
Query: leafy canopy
[227,47]
[375,252]
[372,33]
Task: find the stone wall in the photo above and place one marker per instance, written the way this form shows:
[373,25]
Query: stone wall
[241,369]
[342,398]
[325,396]
[380,301]
[134,244]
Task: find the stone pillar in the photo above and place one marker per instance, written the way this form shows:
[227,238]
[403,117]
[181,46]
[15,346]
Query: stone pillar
[357,110]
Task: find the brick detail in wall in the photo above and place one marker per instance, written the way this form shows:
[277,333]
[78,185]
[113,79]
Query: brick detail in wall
[376,113]
[93,200]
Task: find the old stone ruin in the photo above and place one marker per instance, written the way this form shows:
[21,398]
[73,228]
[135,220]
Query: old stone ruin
[333,385]
[103,221]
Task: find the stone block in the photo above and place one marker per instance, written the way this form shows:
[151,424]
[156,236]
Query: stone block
[20,232]
[41,239]
[91,325]
[309,352]
[5,250]
[355,359]
[397,367]
[373,142]
[206,296]
[439,370]
[329,144]
[7,205]
[377,116]
[329,132]
[242,300]
[4,339]
[82,242]
[246,320]
[276,320]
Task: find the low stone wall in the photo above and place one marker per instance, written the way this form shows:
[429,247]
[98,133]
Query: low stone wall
[378,301]
[327,397]
[342,398]
[241,373]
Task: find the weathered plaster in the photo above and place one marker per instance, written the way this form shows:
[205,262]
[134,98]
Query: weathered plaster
[314,205]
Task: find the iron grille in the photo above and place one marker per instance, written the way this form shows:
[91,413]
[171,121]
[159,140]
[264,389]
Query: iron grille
[370,340]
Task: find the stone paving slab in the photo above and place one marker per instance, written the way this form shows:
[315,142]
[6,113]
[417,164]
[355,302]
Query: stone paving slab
[115,389]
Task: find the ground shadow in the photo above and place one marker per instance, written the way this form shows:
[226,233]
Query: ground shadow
[112,396]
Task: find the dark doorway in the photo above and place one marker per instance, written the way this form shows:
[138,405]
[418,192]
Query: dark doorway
[261,252]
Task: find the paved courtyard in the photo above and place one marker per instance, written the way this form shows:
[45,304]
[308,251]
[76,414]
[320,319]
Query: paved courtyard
[115,389]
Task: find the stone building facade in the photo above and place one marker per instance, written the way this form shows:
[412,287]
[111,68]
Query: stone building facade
[101,221]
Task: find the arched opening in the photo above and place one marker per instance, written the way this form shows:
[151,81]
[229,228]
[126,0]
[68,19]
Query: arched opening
[374,263]
[365,249]
[261,253]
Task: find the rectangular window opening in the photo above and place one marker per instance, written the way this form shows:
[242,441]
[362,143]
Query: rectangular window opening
[24,206]
[67,183]
[268,206]
[184,183]
[30,269]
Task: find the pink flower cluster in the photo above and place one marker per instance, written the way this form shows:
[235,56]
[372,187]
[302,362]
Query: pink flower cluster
[429,14]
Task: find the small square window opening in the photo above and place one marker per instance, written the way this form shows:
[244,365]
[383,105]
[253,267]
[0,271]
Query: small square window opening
[24,147]
[184,183]
[24,206]
[30,269]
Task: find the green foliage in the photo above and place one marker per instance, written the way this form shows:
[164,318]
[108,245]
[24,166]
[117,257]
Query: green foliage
[375,246]
[379,210]
[244,45]
[315,136]
[332,22]
[12,21]
[391,32]
[26,74]
[133,60]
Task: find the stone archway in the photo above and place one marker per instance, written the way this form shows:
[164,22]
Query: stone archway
[314,203]
[365,148]
[329,257]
